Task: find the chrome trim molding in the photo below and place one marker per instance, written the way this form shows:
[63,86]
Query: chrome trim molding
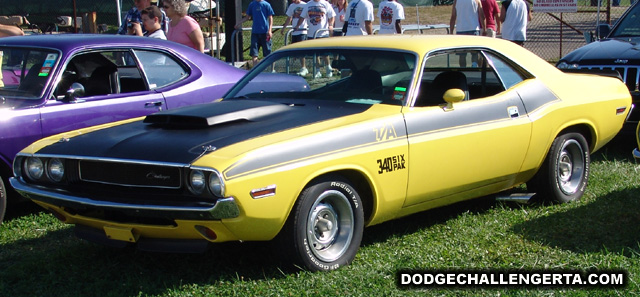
[224,208]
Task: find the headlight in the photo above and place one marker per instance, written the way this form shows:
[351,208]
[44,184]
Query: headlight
[565,65]
[197,181]
[216,185]
[55,169]
[34,168]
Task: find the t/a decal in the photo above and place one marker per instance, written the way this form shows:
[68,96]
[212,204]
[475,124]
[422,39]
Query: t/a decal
[390,164]
[385,132]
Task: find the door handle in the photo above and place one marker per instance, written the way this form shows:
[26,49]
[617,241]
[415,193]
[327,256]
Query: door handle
[153,104]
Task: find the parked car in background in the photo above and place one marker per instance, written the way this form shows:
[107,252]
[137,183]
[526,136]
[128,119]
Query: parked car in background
[56,83]
[398,124]
[616,50]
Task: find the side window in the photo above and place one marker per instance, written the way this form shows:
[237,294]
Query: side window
[477,73]
[508,74]
[102,73]
[160,68]
[452,69]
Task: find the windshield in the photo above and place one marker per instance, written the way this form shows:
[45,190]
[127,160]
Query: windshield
[629,26]
[348,75]
[24,72]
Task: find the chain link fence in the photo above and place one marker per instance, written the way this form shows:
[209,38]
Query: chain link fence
[549,35]
[553,35]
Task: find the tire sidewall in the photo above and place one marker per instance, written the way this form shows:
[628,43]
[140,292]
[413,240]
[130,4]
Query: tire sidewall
[306,202]
[3,199]
[553,179]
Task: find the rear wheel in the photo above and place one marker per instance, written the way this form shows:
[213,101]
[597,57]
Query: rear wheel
[564,174]
[325,227]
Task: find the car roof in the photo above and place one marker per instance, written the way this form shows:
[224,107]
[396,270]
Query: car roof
[410,42]
[423,44]
[69,42]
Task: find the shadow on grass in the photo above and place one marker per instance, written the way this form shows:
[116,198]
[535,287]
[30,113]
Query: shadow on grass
[422,220]
[610,224]
[619,148]
[20,209]
[59,264]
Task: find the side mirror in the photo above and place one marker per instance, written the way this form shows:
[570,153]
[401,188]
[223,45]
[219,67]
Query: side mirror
[588,37]
[452,96]
[75,90]
[603,30]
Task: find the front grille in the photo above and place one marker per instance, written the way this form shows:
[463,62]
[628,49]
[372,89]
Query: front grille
[130,174]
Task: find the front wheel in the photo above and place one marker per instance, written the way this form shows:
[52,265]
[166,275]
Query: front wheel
[564,174]
[325,227]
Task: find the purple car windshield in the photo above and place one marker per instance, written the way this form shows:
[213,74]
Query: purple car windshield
[25,72]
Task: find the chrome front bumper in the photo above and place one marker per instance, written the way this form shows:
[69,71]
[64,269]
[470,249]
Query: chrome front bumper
[224,208]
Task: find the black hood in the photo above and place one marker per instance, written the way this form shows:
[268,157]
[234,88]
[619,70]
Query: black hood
[180,135]
[607,52]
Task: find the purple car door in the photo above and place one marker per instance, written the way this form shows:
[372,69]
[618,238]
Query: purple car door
[99,87]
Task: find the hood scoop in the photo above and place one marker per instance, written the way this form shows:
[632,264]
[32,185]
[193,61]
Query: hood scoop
[217,113]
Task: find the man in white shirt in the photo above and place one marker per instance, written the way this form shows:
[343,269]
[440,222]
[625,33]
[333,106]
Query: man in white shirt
[514,15]
[360,18]
[320,16]
[300,34]
[390,13]
[467,18]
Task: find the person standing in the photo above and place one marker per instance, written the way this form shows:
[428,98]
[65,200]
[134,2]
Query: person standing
[467,17]
[390,13]
[320,16]
[262,14]
[183,29]
[360,18]
[515,15]
[340,8]
[131,24]
[151,21]
[492,17]
[293,16]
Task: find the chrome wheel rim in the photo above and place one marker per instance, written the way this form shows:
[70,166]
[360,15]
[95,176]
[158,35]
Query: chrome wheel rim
[330,226]
[570,166]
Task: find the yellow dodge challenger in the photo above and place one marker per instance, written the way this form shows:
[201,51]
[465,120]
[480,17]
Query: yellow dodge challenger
[325,137]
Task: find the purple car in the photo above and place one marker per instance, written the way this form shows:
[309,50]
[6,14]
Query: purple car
[56,83]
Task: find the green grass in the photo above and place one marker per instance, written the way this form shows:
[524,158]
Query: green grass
[40,256]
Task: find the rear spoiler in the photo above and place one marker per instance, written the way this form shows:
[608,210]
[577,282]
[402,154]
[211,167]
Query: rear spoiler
[601,72]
